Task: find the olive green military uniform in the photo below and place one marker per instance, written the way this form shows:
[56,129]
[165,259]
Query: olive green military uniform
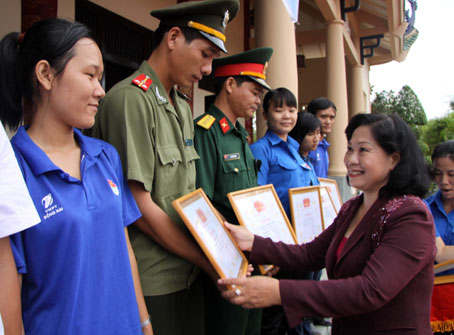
[155,141]
[226,164]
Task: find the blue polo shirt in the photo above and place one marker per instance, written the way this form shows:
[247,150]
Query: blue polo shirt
[444,222]
[76,272]
[320,159]
[282,166]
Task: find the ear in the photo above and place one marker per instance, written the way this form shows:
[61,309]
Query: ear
[44,74]
[395,157]
[172,37]
[230,84]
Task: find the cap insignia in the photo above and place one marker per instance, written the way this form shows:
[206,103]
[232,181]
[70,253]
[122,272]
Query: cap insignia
[226,19]
[265,68]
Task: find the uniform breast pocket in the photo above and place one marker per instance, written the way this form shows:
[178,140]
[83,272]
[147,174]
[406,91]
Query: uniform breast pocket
[170,163]
[235,175]
[192,156]
[283,167]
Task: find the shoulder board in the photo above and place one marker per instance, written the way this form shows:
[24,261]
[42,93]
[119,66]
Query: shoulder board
[142,81]
[206,121]
[184,96]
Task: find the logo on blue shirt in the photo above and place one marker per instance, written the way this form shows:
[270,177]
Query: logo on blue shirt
[50,209]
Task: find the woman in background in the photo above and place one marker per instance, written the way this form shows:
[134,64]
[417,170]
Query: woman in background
[79,274]
[441,204]
[284,167]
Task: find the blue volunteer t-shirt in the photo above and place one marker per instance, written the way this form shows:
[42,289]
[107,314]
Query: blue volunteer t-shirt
[444,222]
[320,159]
[282,166]
[76,272]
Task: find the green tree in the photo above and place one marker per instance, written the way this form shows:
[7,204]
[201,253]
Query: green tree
[405,103]
[436,131]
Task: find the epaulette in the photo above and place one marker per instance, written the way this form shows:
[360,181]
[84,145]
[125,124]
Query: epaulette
[184,96]
[206,121]
[142,81]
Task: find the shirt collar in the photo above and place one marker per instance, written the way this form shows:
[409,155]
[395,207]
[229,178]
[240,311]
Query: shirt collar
[274,139]
[219,115]
[324,143]
[37,159]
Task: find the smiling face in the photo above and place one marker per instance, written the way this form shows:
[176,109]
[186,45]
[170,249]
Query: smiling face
[443,172]
[76,92]
[368,165]
[281,120]
[191,61]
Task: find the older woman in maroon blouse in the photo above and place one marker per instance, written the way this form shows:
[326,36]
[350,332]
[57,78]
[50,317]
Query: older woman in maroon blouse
[379,251]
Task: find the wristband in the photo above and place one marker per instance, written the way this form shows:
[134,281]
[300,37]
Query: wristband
[146,322]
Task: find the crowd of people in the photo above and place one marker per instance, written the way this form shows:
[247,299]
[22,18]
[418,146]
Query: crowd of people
[91,244]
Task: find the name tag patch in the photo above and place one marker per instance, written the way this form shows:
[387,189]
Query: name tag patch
[231,157]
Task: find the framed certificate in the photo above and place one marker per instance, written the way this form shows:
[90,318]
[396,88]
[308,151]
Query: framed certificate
[333,190]
[328,210]
[260,210]
[207,227]
[307,215]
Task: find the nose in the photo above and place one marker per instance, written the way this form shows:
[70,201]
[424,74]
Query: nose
[351,157]
[206,68]
[444,179]
[99,91]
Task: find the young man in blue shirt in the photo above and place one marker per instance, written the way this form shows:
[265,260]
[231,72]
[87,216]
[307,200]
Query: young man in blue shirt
[325,110]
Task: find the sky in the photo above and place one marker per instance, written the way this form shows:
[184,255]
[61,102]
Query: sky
[429,66]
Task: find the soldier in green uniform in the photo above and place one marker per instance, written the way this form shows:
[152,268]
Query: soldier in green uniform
[151,126]
[226,164]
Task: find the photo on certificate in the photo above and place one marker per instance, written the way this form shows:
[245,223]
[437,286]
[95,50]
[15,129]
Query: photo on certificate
[306,209]
[260,211]
[333,190]
[207,227]
[328,210]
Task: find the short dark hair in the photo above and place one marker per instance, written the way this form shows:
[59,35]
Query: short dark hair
[189,34]
[278,98]
[320,104]
[305,124]
[219,82]
[444,149]
[52,40]
[393,135]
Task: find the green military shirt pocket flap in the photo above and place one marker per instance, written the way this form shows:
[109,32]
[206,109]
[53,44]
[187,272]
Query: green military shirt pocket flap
[191,153]
[169,155]
[234,166]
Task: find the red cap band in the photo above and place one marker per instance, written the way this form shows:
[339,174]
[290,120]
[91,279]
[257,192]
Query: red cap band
[231,70]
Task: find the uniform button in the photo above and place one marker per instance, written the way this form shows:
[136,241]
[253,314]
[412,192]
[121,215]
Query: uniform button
[236,170]
[174,161]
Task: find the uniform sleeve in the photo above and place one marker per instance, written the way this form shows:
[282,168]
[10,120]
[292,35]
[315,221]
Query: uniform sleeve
[17,211]
[130,210]
[407,249]
[126,121]
[261,153]
[207,165]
